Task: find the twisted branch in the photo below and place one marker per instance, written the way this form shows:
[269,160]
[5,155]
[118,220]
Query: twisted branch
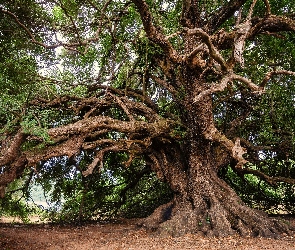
[237,152]
[224,83]
[214,53]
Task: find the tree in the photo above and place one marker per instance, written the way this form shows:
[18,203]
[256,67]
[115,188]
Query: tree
[190,88]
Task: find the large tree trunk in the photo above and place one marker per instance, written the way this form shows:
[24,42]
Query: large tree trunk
[203,202]
[210,207]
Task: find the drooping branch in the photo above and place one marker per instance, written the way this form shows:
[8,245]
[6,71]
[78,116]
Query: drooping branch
[133,129]
[70,139]
[91,131]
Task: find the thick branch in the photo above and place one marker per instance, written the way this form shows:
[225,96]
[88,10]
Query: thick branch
[241,34]
[12,172]
[10,149]
[69,148]
[271,23]
[133,147]
[267,25]
[237,152]
[214,53]
[92,124]
[154,33]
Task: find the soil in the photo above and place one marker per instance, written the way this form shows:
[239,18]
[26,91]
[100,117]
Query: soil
[123,235]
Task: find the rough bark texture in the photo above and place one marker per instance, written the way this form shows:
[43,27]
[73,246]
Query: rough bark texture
[203,202]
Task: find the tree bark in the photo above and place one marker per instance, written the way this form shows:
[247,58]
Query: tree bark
[206,204]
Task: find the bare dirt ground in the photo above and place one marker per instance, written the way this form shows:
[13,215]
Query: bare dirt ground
[124,235]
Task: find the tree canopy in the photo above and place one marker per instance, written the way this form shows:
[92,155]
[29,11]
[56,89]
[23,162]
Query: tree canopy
[117,95]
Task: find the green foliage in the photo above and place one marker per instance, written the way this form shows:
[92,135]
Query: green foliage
[259,194]
[14,203]
[113,191]
[122,57]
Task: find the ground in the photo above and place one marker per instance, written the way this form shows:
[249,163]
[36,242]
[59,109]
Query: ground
[123,235]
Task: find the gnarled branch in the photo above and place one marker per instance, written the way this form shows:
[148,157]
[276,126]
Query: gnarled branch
[154,33]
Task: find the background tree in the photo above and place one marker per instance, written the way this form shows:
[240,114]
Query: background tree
[196,91]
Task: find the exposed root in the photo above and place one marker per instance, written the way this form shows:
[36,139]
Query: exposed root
[161,214]
[218,221]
